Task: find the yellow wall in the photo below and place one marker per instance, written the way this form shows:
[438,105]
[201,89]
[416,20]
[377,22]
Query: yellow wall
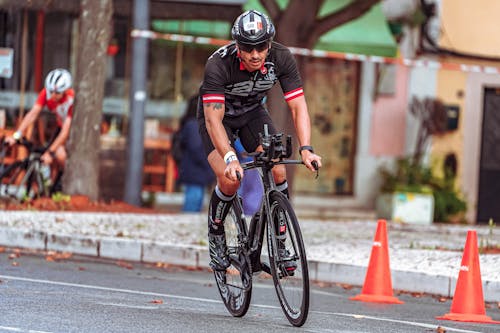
[471,26]
[451,90]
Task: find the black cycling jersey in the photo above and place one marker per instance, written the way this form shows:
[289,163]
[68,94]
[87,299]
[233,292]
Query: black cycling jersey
[227,81]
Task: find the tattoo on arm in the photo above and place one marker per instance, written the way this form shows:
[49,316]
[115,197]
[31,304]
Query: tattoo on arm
[217,106]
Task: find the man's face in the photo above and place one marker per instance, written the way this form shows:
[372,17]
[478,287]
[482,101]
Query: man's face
[253,56]
[56,96]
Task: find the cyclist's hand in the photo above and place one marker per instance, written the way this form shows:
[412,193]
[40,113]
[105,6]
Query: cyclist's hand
[46,158]
[230,171]
[308,157]
[10,141]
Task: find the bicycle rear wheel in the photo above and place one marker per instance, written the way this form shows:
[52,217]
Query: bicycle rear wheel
[235,284]
[288,260]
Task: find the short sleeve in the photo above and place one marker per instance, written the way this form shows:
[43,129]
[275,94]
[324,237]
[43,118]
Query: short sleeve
[42,97]
[212,90]
[290,80]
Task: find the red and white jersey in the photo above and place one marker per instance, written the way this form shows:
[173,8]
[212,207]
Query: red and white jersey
[62,108]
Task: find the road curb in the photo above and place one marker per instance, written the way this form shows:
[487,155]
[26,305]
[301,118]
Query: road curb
[197,256]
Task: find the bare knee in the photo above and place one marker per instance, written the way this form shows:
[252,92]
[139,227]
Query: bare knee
[279,174]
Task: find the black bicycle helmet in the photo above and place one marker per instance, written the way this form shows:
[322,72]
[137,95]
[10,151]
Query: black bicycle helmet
[252,27]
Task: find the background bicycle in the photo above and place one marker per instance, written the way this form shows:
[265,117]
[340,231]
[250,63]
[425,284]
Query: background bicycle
[26,178]
[281,253]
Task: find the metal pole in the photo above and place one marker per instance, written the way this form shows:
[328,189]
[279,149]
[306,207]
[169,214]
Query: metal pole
[138,94]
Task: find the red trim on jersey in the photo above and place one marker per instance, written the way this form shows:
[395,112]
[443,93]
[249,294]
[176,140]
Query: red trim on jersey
[213,98]
[294,94]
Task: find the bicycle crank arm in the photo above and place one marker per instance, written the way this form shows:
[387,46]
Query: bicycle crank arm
[265,267]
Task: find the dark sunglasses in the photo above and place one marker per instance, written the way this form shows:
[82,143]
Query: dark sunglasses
[249,48]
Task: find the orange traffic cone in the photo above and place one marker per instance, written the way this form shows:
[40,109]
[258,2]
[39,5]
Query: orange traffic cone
[378,285]
[468,301]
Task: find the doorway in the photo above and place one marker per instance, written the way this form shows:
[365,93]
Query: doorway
[489,167]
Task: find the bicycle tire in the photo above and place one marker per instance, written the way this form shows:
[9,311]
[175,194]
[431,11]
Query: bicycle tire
[31,185]
[292,289]
[235,283]
[8,177]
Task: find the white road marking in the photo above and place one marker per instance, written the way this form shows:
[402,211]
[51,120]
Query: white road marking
[411,323]
[206,300]
[17,329]
[140,307]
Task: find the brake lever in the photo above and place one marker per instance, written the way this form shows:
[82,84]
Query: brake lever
[316,167]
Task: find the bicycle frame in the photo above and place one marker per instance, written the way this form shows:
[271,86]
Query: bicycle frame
[264,163]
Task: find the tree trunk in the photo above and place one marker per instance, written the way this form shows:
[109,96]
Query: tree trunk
[81,174]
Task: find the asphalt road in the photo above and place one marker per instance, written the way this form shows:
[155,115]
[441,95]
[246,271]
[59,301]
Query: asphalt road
[84,295]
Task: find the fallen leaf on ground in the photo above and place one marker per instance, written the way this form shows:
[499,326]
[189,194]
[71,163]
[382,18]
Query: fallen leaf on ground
[124,264]
[14,255]
[15,263]
[162,265]
[2,249]
[346,286]
[157,301]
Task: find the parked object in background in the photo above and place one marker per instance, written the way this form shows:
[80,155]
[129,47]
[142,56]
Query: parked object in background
[406,207]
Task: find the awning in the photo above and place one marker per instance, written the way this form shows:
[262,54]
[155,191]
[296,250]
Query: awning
[369,34]
[215,29]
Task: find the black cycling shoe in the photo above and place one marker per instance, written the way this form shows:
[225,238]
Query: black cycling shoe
[289,263]
[218,252]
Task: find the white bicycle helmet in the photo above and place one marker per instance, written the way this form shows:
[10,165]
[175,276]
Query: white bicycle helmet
[58,80]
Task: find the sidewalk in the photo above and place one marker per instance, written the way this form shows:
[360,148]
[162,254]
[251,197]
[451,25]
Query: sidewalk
[338,251]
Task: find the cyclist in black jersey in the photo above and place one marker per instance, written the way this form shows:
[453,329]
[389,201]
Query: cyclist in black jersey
[236,80]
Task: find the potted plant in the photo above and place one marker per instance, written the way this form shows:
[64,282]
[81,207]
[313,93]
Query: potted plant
[410,192]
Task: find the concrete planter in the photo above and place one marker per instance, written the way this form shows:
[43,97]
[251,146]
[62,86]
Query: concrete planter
[406,207]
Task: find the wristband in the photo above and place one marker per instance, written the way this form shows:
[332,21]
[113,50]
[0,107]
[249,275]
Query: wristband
[310,148]
[17,135]
[230,156]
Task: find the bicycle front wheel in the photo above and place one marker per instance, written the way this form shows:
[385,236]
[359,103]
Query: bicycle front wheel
[235,283]
[288,260]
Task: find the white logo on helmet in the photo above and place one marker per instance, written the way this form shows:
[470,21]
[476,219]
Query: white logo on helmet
[253,25]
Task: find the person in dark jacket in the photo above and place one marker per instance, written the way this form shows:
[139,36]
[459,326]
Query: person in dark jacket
[195,173]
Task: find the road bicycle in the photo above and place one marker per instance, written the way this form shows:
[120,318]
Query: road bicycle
[285,259]
[27,178]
